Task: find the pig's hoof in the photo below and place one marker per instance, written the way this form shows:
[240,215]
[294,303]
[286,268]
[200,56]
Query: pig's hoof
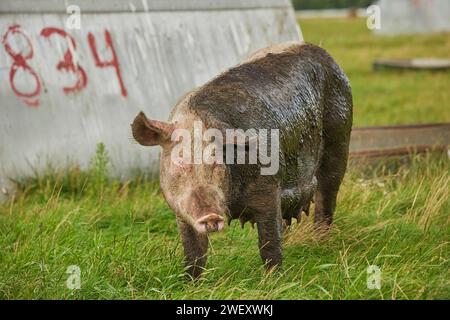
[321,229]
[194,273]
[322,226]
[272,265]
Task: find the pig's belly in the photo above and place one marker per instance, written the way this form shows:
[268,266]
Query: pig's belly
[298,185]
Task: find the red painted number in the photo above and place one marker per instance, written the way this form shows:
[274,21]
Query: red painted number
[112,63]
[68,63]
[20,62]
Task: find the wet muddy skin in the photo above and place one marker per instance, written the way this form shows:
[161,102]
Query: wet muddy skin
[296,88]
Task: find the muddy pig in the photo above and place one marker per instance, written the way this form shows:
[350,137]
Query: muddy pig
[294,89]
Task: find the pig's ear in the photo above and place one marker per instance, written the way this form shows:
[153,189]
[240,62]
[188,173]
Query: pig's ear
[151,132]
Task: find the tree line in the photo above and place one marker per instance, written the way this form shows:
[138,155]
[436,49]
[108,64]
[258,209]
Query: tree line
[328,4]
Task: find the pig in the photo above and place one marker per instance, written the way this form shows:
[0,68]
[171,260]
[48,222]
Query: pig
[296,88]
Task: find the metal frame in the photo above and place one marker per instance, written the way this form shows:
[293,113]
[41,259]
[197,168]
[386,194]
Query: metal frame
[387,141]
[110,6]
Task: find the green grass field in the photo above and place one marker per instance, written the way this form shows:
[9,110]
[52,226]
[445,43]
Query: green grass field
[386,97]
[123,236]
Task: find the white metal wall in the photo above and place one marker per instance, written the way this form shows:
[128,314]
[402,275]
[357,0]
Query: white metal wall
[162,49]
[414,16]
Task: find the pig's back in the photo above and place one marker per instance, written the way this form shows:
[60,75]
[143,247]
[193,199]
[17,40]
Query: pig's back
[302,92]
[283,90]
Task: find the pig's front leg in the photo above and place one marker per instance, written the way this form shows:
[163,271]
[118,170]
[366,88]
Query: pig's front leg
[269,224]
[269,234]
[195,249]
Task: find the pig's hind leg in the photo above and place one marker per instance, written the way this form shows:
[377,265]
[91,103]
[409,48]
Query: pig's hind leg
[333,164]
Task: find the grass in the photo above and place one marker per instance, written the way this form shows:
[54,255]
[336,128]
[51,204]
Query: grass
[386,97]
[124,239]
[123,236]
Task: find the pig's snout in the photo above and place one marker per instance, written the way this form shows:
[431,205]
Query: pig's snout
[209,223]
